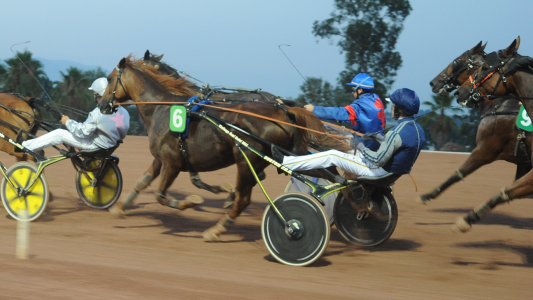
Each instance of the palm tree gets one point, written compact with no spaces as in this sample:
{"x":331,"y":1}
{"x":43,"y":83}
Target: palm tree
{"x":21,"y":73}
{"x":440,"y":125}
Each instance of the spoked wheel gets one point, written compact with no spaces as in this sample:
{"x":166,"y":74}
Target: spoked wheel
{"x":310,"y":226}
{"x":296,"y":185}
{"x":103,"y":192}
{"x":367,"y":229}
{"x":34,"y":200}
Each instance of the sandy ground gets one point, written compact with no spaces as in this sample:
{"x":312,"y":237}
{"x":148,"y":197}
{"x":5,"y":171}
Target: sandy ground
{"x":158,"y":252}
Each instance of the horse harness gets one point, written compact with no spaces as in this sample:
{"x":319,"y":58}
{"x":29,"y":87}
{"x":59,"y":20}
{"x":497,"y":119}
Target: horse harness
{"x":458,"y":67}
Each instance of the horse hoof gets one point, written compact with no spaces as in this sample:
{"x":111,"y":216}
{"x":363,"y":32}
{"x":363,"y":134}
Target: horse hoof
{"x":227,"y":187}
{"x":423,"y":201}
{"x":117,"y":210}
{"x":461,"y":226}
{"x":213,"y":234}
{"x":191,"y":201}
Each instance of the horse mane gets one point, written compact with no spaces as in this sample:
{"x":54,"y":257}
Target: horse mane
{"x":180,"y":86}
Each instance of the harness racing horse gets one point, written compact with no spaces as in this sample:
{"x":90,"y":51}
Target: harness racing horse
{"x":18,"y":112}
{"x":215,"y":95}
{"x":497,"y":137}
{"x":209,"y":148}
{"x":505,"y":75}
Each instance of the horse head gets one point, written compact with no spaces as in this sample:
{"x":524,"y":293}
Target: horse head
{"x":458,"y":70}
{"x":490,"y":79}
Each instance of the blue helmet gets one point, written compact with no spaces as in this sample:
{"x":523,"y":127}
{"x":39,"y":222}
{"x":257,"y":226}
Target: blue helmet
{"x":407,"y":100}
{"x":362,"y":80}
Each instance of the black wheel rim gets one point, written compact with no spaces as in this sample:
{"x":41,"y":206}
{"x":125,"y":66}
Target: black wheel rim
{"x":315,"y":236}
{"x":364,"y":228}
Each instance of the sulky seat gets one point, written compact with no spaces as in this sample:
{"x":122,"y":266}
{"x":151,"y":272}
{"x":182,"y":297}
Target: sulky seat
{"x":381,"y":181}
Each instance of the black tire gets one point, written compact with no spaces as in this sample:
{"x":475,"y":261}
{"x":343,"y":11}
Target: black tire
{"x":315,"y":235}
{"x":106,"y":191}
{"x":296,"y":185}
{"x":34,"y":202}
{"x":369,"y":230}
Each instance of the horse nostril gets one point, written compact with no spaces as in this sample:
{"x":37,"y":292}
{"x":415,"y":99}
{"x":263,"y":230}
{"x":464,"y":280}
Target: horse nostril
{"x":431,"y":84}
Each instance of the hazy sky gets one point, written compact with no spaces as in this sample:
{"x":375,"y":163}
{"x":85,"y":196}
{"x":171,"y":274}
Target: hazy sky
{"x":235,"y":42}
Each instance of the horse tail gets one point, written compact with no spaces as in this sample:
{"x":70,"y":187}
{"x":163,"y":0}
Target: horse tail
{"x":309,"y":120}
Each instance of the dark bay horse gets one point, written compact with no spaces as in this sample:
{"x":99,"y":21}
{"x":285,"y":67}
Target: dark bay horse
{"x":497,"y":136}
{"x":209,"y":148}
{"x":508,"y":75}
{"x":18,"y":111}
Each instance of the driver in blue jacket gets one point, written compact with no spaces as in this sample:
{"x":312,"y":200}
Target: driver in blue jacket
{"x":366,"y":113}
{"x":397,"y":153}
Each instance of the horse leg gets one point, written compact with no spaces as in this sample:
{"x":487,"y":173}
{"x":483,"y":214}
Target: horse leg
{"x":147,"y":178}
{"x":243,"y":192}
{"x":169,"y":174}
{"x":197,"y":181}
{"x":475,"y":161}
{"x":520,"y":188}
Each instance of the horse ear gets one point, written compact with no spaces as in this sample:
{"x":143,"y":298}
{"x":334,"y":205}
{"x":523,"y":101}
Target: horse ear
{"x":158,"y":58}
{"x":147,"y":55}
{"x":512,"y":49}
{"x":122,"y":63}
{"x":478,"y":48}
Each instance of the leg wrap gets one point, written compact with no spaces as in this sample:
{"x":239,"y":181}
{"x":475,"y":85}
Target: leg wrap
{"x":226,"y":222}
{"x":143,"y":183}
{"x":127,"y":202}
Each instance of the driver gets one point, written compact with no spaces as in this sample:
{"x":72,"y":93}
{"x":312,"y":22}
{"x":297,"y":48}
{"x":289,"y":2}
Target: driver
{"x":366,"y":113}
{"x":99,"y":131}
{"x":397,"y":153}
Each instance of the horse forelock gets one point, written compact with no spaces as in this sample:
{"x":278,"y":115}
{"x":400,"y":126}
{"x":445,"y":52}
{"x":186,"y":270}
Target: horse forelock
{"x":180,"y":86}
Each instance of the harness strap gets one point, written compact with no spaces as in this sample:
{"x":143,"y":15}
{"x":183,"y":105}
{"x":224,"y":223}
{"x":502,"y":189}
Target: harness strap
{"x":245,"y":113}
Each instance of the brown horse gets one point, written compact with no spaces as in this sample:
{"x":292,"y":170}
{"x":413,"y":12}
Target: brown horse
{"x":506,"y":74}
{"x":18,"y":112}
{"x":497,"y":136}
{"x":208,"y":148}
{"x":255,"y":95}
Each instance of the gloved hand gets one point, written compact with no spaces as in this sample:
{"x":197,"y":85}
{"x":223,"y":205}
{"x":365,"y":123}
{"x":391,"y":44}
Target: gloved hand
{"x":376,"y":136}
{"x":354,"y":142}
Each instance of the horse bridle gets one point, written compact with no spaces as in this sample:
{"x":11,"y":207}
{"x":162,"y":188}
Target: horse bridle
{"x":492,"y":65}
{"x":111,"y":104}
{"x":458,"y":67}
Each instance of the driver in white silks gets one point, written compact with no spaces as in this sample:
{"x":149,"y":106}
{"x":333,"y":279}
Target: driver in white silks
{"x":99,"y":131}
{"x":397,"y":153}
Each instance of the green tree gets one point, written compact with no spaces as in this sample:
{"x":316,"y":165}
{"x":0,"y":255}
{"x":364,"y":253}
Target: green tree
{"x":367,"y":32}
{"x":19,"y":77}
{"x":440,"y":126}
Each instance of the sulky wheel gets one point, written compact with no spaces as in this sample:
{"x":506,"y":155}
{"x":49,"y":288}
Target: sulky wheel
{"x":103,"y":192}
{"x":296,"y":185}
{"x":33,"y":199}
{"x":310,"y":225}
{"x":367,"y":229}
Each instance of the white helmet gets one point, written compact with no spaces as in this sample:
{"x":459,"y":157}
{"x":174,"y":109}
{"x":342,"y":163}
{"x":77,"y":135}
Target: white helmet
{"x":99,"y":86}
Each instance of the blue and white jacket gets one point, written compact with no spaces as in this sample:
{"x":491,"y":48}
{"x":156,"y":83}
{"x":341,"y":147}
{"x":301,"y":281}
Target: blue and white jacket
{"x":366,"y":114}
{"x":400,"y":148}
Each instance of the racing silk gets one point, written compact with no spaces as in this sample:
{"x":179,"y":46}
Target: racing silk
{"x":366,"y":114}
{"x":399,"y":151}
{"x":105,"y":130}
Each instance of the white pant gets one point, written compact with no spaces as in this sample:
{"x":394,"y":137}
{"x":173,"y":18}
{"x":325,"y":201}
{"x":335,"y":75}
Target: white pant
{"x":354,"y":164}
{"x":59,"y":136}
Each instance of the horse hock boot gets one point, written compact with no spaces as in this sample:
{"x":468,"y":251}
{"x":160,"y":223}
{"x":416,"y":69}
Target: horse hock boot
{"x":213,"y":233}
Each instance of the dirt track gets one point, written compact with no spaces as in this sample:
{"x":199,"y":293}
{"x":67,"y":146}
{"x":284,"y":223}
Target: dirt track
{"x":158,"y":252}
